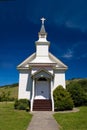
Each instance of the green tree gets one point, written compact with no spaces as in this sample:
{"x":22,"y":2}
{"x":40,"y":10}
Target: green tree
{"x":77,"y":93}
{"x":83,"y":83}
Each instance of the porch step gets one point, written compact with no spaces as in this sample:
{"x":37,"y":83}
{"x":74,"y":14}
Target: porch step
{"x":42,"y":105}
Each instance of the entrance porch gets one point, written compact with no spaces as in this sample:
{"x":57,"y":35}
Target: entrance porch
{"x":42,"y":97}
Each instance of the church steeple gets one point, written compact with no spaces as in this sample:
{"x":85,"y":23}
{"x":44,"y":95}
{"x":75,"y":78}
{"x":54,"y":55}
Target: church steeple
{"x":42,"y":45}
{"x":42,"y":33}
{"x":42,"y":30}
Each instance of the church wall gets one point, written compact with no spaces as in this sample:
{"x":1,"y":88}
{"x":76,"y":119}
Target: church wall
{"x":24,"y":85}
{"x":59,"y":78}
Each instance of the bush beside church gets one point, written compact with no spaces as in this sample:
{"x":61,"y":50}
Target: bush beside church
{"x":22,"y":104}
{"x":62,"y":99}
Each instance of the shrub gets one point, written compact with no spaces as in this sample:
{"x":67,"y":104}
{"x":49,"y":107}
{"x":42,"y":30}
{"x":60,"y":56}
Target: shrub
{"x":12,"y":99}
{"x":77,"y":93}
{"x":22,"y":104}
{"x":62,"y":99}
{"x":4,"y":96}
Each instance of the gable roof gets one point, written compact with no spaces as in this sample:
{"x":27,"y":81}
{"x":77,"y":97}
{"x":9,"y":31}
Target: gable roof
{"x":27,"y":61}
{"x":52,"y":58}
{"x":56,"y":60}
{"x":42,"y":70}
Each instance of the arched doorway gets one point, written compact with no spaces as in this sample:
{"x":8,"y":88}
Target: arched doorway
{"x":42,"y":88}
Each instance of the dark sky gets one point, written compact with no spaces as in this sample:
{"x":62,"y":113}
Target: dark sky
{"x":66,"y":25}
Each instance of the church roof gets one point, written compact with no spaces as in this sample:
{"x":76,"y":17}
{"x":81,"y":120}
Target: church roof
{"x":54,"y":62}
{"x":42,"y":30}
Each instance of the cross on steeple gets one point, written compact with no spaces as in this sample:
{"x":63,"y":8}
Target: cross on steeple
{"x":43,"y":19}
{"x":42,"y":33}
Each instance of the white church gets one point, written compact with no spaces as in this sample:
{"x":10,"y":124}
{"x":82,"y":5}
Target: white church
{"x":40,"y":74}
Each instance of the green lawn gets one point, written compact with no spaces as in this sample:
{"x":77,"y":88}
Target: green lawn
{"x":11,"y":119}
{"x":72,"y":121}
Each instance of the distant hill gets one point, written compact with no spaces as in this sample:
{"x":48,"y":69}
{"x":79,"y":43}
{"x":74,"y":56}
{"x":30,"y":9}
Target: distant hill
{"x":13,"y":89}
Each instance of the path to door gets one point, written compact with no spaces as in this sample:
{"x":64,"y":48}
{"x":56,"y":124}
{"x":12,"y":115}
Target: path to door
{"x":43,"y":121}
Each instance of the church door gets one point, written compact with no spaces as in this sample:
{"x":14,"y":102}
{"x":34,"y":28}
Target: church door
{"x":42,"y":89}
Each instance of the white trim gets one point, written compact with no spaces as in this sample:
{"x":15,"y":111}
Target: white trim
{"x":56,"y":60}
{"x":42,"y":70}
{"x":42,"y":42}
{"x":32,"y":99}
{"x":52,"y":95}
{"x":26,"y":61}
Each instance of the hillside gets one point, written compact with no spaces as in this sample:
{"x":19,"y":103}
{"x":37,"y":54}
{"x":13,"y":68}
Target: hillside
{"x":13,"y":89}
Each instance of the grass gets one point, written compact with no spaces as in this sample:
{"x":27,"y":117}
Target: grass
{"x":72,"y":121}
{"x":11,"y":119}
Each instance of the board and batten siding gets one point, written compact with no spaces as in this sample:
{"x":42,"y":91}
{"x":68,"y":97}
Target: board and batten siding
{"x":25,"y":84}
{"x":59,"y":78}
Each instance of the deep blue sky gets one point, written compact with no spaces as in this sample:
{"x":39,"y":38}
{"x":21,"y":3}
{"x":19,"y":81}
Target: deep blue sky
{"x":66,"y":25}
